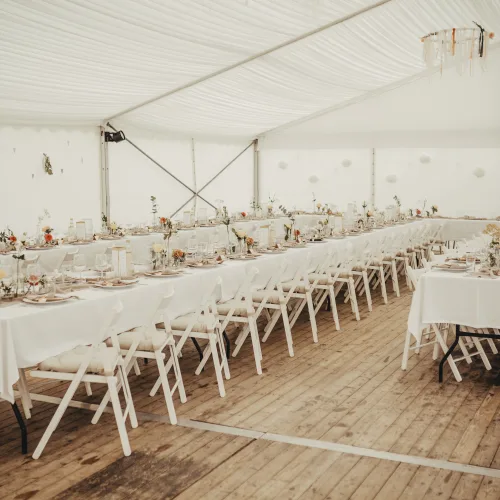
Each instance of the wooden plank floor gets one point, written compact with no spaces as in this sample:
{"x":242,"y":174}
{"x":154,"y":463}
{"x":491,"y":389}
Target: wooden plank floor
{"x":346,"y":389}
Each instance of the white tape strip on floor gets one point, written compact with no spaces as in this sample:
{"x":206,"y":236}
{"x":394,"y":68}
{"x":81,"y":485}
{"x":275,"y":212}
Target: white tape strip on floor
{"x":309,"y":443}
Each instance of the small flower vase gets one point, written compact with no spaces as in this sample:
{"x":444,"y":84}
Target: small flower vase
{"x":270,"y":211}
{"x":241,"y":244}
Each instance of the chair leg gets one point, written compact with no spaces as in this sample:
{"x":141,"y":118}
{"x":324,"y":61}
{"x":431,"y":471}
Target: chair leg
{"x":270,"y":326}
{"x":394,"y":275}
{"x":312,"y":317}
{"x":166,"y":388}
{"x":256,"y":345}
{"x":22,"y":426}
{"x":88,"y":388}
{"x":482,"y":354}
{"x":367,"y":291}
{"x":354,"y":300}
{"x":122,"y":372}
{"x":334,"y":308}
{"x":120,"y":420}
{"x":57,"y":416}
{"x":137,"y":370}
{"x":382,"y":284}
{"x":288,"y":331}
{"x":223,"y":354}
{"x":178,"y":374}
{"x":218,"y":369}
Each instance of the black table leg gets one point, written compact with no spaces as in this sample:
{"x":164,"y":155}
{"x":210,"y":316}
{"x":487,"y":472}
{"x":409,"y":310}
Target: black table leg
{"x":228,"y":344}
{"x":22,"y":425}
{"x":198,"y":348}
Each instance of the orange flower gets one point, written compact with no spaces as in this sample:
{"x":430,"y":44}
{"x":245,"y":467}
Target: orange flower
{"x":48,"y":237}
{"x":418,"y":211}
{"x":296,"y":232}
{"x":243,"y":214}
{"x":33,"y":280}
{"x":12,"y":239}
{"x":249,"y":241}
{"x":163,"y":220}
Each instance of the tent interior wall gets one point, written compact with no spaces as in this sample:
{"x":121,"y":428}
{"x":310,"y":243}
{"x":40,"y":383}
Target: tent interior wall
{"x":314,"y":85}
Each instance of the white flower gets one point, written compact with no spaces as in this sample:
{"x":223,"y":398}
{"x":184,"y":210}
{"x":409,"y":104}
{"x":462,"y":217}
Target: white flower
{"x":157,"y":248}
{"x":113,"y":226}
{"x":240,"y":234}
{"x":288,"y":226}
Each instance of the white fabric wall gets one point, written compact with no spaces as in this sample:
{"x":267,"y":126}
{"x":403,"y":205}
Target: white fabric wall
{"x":134,"y":178}
{"x":25,"y":188}
{"x":446,"y":181}
{"x":336,"y":185}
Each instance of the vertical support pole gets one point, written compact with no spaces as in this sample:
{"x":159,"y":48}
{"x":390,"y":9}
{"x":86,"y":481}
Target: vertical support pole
{"x":256,"y":171}
{"x":373,"y":179}
{"x":195,"y":187}
{"x":104,"y":174}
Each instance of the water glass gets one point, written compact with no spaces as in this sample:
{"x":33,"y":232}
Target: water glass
{"x":101,"y":263}
{"x":470,"y":261}
{"x":79,"y":263}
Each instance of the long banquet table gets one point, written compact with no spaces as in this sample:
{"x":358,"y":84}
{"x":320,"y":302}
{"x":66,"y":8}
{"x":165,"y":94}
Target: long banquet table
{"x":31,"y":333}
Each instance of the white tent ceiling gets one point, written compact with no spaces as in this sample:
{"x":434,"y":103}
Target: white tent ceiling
{"x":84,"y":61}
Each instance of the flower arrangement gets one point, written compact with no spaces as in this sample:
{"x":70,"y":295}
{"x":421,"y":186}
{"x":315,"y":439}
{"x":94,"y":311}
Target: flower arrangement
{"x":250,"y":243}
{"x":178,"y":255}
{"x":241,"y":235}
{"x":226,"y":220}
{"x":434,"y":209}
{"x":296,"y":235}
{"x":270,"y":205}
{"x":288,"y":231}
{"x":418,"y":212}
{"x":18,"y":257}
{"x":243,"y":214}
{"x":255,"y":205}
{"x":47,"y":235}
{"x":369,"y":213}
{"x":158,"y":253}
{"x":47,"y":166}
{"x":33,"y":281}
{"x":8,"y":238}
{"x":493,"y":230}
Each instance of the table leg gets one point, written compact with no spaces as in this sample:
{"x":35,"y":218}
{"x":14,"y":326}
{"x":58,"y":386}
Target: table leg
{"x":22,"y":425}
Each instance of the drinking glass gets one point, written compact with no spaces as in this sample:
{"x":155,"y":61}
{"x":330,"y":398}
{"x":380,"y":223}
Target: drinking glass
{"x":79,"y":263}
{"x":470,"y":261}
{"x":101,"y":263}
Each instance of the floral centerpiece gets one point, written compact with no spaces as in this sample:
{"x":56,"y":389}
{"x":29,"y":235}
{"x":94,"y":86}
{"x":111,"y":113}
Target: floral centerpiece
{"x":255,"y":206}
{"x":47,"y":235}
{"x":296,"y":235}
{"x":226,"y":220}
{"x":158,"y":254}
{"x":34,"y":281}
{"x":8,"y":239}
{"x":243,"y":214}
{"x":168,"y":229}
{"x":250,"y":243}
{"x":493,"y":253}
{"x":288,"y":226}
{"x":241,"y":236}
{"x":179,"y":256}
{"x":270,"y":205}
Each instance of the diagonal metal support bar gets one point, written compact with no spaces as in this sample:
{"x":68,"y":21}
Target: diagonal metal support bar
{"x":226,"y":167}
{"x":303,"y":36}
{"x":163,"y":168}
{"x":182,"y":206}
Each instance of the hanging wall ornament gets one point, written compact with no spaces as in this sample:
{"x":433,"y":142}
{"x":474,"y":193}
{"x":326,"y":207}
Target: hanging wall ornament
{"x":391,"y":179}
{"x":425,"y":158}
{"x":346,"y":163}
{"x":47,"y":165}
{"x":283,"y":165}
{"x":313,"y":179}
{"x":479,"y":172}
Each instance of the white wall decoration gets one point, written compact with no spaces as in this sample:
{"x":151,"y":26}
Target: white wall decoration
{"x":283,"y":165}
{"x":392,"y":178}
{"x":425,"y":158}
{"x":346,"y":163}
{"x":479,"y":172}
{"x":313,"y":179}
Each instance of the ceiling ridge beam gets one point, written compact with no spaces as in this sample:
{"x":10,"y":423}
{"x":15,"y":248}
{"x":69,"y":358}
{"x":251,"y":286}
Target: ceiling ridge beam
{"x":250,"y":59}
{"x":363,"y":97}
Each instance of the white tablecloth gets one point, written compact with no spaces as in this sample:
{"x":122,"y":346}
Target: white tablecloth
{"x":458,"y":229}
{"x":444,"y":297}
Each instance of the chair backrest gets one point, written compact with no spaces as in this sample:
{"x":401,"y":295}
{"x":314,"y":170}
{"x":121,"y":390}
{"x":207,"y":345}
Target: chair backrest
{"x":109,"y":327}
{"x":244,"y":292}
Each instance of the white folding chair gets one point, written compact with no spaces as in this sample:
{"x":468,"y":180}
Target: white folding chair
{"x":273,"y":299}
{"x":201,"y":324}
{"x":241,"y":310}
{"x":94,"y":363}
{"x":148,"y":342}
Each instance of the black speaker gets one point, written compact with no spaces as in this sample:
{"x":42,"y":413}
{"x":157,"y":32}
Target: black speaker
{"x":114,"y":136}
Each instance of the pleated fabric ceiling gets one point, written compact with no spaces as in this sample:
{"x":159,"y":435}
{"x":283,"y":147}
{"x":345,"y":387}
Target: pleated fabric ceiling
{"x":86,"y":61}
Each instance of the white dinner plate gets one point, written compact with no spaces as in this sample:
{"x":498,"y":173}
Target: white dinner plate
{"x":115,"y":286}
{"x":43,"y":301}
{"x":162,"y":274}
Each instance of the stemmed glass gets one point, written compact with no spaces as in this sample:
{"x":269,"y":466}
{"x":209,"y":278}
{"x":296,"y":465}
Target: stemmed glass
{"x":101,"y":263}
{"x":79,"y":263}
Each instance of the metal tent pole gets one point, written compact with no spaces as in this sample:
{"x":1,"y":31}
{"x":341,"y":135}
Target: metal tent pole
{"x":194,"y":177}
{"x":373,"y":179}
{"x":256,"y":171}
{"x":104,"y":174}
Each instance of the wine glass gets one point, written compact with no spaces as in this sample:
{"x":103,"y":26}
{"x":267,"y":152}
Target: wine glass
{"x":101,"y":263}
{"x":79,"y":263}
